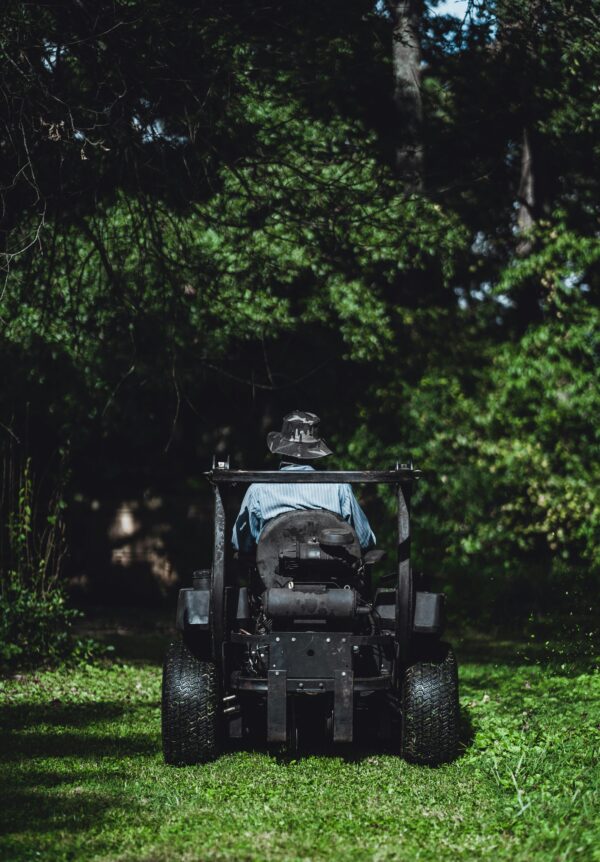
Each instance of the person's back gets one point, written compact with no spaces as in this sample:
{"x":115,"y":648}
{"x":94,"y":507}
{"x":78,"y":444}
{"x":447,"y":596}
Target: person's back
{"x":298,"y":440}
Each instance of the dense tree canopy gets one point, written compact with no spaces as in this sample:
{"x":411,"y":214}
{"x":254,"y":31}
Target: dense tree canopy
{"x":214,"y":212}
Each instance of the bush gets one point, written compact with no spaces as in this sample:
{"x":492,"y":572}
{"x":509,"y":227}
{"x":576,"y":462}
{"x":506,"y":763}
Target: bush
{"x":35,"y":620}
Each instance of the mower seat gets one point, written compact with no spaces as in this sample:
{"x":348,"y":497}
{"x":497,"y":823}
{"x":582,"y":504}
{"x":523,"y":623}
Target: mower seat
{"x":313,"y":545}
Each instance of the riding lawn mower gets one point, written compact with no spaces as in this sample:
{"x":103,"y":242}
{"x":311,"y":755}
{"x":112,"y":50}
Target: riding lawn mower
{"x":297,"y":635}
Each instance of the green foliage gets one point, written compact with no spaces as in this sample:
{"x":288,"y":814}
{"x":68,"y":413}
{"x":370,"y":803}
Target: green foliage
{"x":509,"y":501}
{"x":83,"y":777}
{"x":34,"y":629}
{"x":312,"y":235}
{"x":234,"y":239}
{"x":560,"y":261}
{"x":538,"y":438}
{"x":35,"y":620}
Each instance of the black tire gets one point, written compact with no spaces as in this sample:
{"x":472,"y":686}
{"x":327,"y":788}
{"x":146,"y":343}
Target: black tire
{"x":190,"y":706}
{"x":430,"y":709}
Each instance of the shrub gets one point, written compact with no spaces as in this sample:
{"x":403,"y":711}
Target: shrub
{"x":35,"y":620}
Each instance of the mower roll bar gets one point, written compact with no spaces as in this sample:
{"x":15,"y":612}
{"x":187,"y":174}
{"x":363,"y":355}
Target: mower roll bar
{"x":400,"y":475}
{"x":403,"y":477}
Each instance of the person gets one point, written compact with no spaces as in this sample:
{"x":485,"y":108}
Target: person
{"x":299,"y":444}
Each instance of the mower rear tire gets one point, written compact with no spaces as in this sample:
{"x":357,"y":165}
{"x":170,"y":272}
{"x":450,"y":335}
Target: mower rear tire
{"x":430,"y":709}
{"x":190,"y":704}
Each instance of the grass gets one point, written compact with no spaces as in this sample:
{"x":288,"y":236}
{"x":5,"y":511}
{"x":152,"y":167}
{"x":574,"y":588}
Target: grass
{"x":82,"y":777}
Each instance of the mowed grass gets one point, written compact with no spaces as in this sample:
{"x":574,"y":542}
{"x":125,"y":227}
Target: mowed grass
{"x":82,"y":778}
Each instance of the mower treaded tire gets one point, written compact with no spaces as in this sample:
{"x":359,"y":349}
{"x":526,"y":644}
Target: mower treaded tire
{"x":430,"y":709}
{"x":190,"y":701}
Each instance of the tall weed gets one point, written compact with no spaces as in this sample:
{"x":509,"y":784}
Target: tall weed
{"x":35,"y":620}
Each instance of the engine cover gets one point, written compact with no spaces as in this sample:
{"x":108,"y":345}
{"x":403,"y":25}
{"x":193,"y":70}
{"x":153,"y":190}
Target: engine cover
{"x":289,"y":548}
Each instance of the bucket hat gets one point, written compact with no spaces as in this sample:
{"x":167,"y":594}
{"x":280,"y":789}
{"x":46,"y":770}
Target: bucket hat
{"x":299,"y":437}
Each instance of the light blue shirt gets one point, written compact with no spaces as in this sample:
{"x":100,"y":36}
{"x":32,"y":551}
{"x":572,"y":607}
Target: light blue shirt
{"x":264,"y":501}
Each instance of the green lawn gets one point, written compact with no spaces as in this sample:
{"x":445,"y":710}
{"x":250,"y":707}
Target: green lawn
{"x":83,"y":778}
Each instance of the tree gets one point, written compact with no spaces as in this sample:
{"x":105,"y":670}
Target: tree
{"x":228,"y":210}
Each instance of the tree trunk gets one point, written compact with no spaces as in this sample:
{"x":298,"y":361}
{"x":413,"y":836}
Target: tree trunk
{"x":526,"y":197}
{"x":406,"y":55}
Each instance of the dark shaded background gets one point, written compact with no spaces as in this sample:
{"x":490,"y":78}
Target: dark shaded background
{"x":214,"y":213}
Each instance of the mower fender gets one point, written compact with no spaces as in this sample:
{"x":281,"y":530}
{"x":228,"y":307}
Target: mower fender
{"x":193,"y":609}
{"x":429,"y":613}
{"x":428,"y":616}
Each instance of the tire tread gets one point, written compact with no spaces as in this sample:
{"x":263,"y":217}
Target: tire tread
{"x":430,"y":709}
{"x":190,"y":702}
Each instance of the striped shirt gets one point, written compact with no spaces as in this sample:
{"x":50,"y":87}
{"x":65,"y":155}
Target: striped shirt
{"x":264,"y":501}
